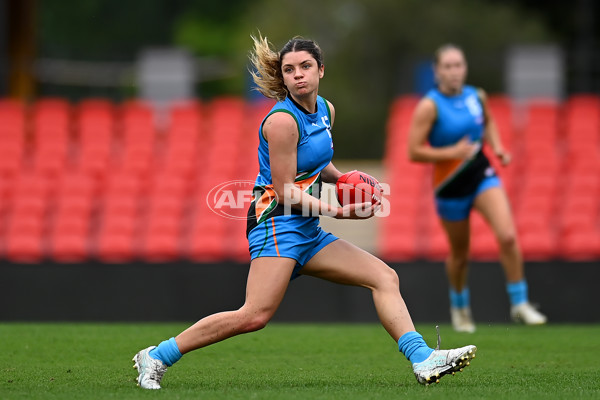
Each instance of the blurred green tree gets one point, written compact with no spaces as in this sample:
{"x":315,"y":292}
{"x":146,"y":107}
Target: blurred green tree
{"x":104,"y":30}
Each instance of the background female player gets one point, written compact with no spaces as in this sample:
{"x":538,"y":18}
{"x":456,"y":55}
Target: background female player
{"x":454,"y":119}
{"x":295,"y":154}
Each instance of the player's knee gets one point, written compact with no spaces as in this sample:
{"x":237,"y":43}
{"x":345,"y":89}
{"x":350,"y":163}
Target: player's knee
{"x":388,"y":278}
{"x":392,"y":277}
{"x":507,"y":240}
{"x":459,"y":258}
{"x":256,"y":321}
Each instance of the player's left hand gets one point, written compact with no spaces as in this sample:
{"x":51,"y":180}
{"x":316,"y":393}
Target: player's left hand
{"x":358,"y":210}
{"x":504,"y":157}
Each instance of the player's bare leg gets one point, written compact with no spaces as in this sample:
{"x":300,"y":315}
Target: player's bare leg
{"x":495,"y":209}
{"x":268,"y":280}
{"x":457,"y":269}
{"x":345,"y":263}
{"x":494,"y":206}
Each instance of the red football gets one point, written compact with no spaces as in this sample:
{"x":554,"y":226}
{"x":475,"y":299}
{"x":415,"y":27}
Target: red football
{"x":358,"y":187}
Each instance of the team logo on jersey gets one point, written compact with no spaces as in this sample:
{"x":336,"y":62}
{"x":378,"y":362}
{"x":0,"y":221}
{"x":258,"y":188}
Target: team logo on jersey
{"x":325,"y":121}
{"x":474,"y":107}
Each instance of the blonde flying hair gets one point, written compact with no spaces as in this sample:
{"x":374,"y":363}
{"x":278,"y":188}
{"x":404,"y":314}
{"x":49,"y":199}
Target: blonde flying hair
{"x":267,"y":75}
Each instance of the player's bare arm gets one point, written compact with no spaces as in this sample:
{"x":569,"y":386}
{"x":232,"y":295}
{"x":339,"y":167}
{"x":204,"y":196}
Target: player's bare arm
{"x":491,"y":133}
{"x":418,"y":148}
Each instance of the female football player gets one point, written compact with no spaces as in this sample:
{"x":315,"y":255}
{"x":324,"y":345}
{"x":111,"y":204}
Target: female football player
{"x":448,"y":129}
{"x":285,"y":240}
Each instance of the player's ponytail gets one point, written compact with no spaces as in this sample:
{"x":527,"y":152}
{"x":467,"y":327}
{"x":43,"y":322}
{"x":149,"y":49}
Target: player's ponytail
{"x":267,"y":74}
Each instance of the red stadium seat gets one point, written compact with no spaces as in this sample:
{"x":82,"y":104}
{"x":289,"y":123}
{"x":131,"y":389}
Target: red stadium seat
{"x":534,"y":223}
{"x":169,"y":184}
{"x":12,"y":135}
{"x":538,"y":246}
{"x":72,"y":218}
{"x":573,"y":223}
{"x":161,"y":247}
{"x":185,"y":122}
{"x":166,"y":205}
{"x":119,"y":223}
{"x":206,"y":249}
{"x":123,"y":184}
{"x":208,"y":237}
{"x":11,"y":158}
{"x":25,"y":224}
{"x":75,"y":184}
{"x":24,"y":247}
{"x":180,"y":159}
{"x":535,"y":205}
{"x":397,"y":245}
{"x":69,"y":248}
{"x":580,"y":245}
{"x":162,"y":237}
{"x":238,"y":250}
{"x":435,"y":246}
{"x":68,"y":205}
{"x":116,"y":248}
{"x":137,"y":160}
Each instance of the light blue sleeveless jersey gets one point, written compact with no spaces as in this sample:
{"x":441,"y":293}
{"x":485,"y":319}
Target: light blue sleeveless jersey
{"x":315,"y":146}
{"x":457,"y":116}
{"x":314,"y":152}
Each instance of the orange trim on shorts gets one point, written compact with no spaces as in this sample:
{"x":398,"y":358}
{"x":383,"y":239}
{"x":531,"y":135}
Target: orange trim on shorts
{"x":275,"y":237}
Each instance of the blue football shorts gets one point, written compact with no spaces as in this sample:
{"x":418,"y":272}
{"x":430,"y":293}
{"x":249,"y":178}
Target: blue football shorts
{"x":291,"y":236}
{"x":459,"y":208}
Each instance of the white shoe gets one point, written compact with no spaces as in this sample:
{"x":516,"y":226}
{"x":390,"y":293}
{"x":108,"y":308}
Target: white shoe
{"x":150,"y":369}
{"x":527,"y":314}
{"x":443,"y":362}
{"x":462,"y":321}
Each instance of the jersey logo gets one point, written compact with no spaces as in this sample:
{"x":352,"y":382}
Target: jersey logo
{"x":474,"y":108}
{"x":325,"y":121}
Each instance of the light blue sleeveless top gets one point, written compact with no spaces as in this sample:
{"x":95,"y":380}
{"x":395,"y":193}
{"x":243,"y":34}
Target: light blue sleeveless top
{"x":314,"y":152}
{"x":315,"y":145}
{"x":457,"y":116}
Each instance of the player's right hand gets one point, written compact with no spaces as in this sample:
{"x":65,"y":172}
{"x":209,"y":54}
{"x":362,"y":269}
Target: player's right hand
{"x":465,"y":149}
{"x":358,"y":210}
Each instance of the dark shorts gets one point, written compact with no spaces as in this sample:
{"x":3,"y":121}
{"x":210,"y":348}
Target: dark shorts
{"x":459,"y":208}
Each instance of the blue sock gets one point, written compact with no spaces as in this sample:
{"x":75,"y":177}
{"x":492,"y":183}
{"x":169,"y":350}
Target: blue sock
{"x":460,"y":299}
{"x":414,"y":348}
{"x":167,"y":352}
{"x":517,"y":292}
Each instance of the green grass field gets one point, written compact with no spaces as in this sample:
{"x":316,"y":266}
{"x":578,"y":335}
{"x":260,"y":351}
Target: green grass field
{"x":297,"y":361}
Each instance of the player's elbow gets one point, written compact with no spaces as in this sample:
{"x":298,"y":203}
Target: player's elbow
{"x":414,"y":154}
{"x":287,"y":193}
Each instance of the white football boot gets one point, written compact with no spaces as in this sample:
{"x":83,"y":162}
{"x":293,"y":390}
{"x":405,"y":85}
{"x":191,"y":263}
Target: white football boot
{"x":443,"y":362}
{"x":462,"y":320}
{"x":527,"y":314}
{"x":150,"y":369}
